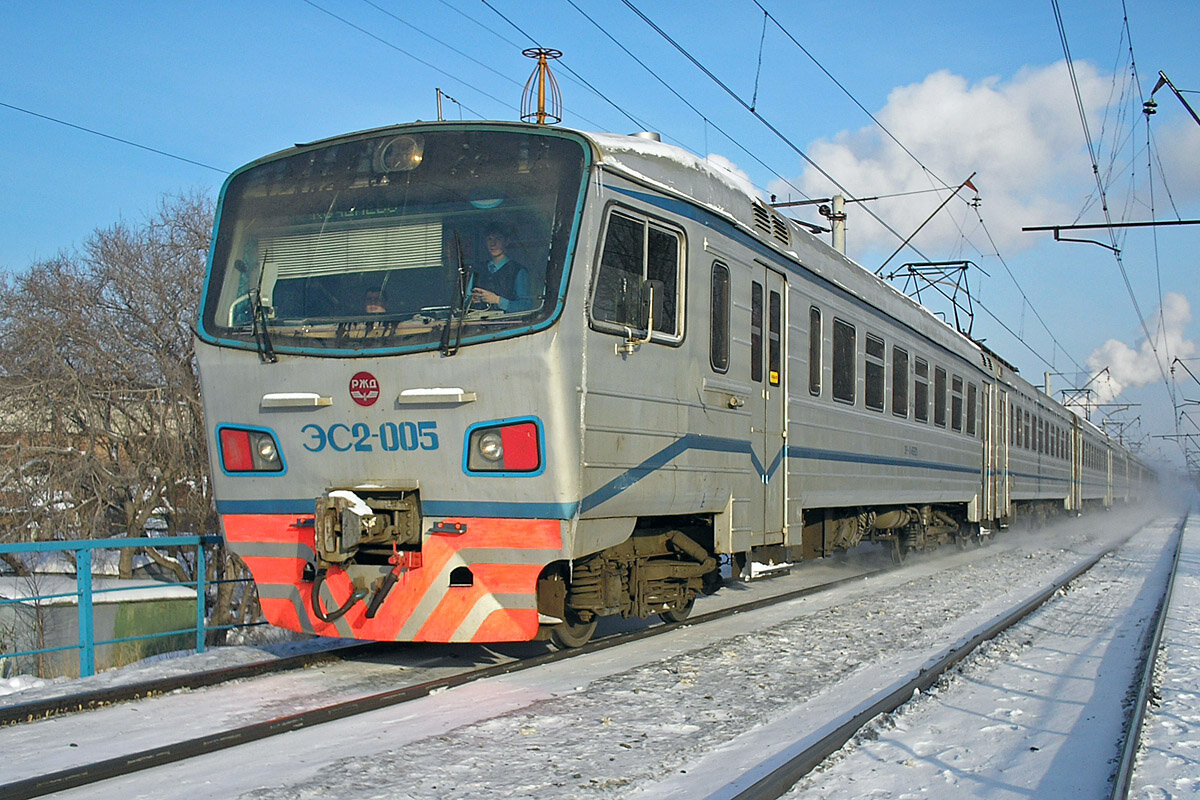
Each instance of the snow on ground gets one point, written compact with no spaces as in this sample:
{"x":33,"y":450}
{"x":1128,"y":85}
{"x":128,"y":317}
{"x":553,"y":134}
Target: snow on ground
{"x":1169,"y":761}
{"x":621,"y":722}
{"x":679,"y":714}
{"x":1038,"y":712}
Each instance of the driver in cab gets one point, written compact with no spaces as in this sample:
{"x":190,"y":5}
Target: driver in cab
{"x":502,"y":283}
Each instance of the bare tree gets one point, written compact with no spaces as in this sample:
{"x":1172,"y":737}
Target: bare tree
{"x":102,"y":428}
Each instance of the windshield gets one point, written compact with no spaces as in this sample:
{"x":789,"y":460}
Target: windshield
{"x":412,"y":239}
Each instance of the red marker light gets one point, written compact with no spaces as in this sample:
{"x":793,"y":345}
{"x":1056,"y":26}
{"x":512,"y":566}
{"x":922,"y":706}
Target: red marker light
{"x":236,"y":455}
{"x":520,"y":447}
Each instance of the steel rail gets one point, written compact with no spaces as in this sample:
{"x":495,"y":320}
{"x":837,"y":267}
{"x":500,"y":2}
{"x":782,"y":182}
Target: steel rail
{"x":778,"y":774}
{"x":34,"y":710}
{"x":1151,"y":644}
{"x":83,"y":775}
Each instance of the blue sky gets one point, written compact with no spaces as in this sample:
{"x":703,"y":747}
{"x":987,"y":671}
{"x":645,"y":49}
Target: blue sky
{"x":965,"y":87}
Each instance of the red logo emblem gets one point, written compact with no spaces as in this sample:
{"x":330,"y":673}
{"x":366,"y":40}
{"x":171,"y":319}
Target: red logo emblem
{"x":364,"y":389}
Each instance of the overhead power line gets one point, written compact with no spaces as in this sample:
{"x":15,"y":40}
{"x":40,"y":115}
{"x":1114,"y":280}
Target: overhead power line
{"x":110,"y":137}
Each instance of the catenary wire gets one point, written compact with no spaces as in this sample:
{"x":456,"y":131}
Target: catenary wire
{"x":95,"y":132}
{"x":418,"y":59}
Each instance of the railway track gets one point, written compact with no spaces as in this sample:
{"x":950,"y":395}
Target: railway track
{"x":775,"y":775}
{"x":44,"y":708}
{"x":90,"y":773}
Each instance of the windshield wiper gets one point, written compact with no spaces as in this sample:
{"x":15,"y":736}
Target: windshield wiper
{"x":460,"y":301}
{"x":258,"y":317}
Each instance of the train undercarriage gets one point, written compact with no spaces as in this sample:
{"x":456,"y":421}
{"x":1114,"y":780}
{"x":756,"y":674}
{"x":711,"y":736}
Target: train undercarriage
{"x":660,"y":570}
{"x":663,"y":567}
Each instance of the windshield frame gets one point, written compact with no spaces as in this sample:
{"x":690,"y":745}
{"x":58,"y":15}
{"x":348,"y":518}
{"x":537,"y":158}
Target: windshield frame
{"x":254,"y":339}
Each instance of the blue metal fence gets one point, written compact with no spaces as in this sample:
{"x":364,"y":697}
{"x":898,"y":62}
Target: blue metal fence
{"x":85,"y":591}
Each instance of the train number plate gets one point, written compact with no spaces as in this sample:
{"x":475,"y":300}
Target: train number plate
{"x":362,"y":438}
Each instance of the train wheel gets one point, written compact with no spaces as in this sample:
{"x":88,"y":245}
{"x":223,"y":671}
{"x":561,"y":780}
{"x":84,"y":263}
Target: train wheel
{"x":678,"y":614}
{"x":572,"y":632}
{"x":899,"y":551}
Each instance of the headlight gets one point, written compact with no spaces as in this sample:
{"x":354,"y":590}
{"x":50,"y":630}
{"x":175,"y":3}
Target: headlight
{"x":491,"y":446}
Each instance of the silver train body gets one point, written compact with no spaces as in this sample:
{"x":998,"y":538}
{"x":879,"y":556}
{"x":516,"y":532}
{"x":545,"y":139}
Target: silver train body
{"x":668,"y":372}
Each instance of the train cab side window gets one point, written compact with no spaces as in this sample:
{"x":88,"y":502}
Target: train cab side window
{"x":899,"y":382}
{"x":939,"y":396}
{"x":875,"y":351}
{"x":956,"y":403}
{"x":845,"y":353}
{"x":921,"y":390}
{"x":718,"y":346}
{"x":814,"y":351}
{"x":640,"y":259}
{"x":972,"y":408}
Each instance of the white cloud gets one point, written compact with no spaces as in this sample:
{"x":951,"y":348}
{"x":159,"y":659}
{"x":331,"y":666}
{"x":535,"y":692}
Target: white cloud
{"x":1138,"y":366}
{"x":1022,"y":136}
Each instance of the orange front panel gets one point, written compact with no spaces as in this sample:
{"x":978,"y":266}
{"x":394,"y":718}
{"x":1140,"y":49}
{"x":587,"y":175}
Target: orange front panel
{"x":504,"y":557}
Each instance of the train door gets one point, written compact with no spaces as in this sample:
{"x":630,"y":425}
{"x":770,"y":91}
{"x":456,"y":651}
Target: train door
{"x":768,"y":360}
{"x":988,"y":510}
{"x":995,"y":452}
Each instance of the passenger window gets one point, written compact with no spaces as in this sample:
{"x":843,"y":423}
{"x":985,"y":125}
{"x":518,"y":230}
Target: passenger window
{"x":939,"y":396}
{"x":774,"y":339}
{"x":875,"y":350}
{"x":718,"y":346}
{"x":972,"y":408}
{"x":640,"y":260}
{"x":814,"y":351}
{"x":844,"y":352}
{"x":756,"y":331}
{"x":899,"y":382}
{"x":956,"y":403}
{"x":921,"y":390}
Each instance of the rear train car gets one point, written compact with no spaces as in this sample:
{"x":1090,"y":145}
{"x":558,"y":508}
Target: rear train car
{"x":494,"y":381}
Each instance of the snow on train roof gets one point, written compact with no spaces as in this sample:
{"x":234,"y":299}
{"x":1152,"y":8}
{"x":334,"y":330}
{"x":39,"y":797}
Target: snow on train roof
{"x":717,"y":184}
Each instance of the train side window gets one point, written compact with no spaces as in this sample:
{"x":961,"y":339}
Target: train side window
{"x":774,"y":338}
{"x":939,"y":396}
{"x":972,"y":408}
{"x":639,"y":255}
{"x":899,"y":382}
{"x":1014,"y":415}
{"x":1027,"y":437}
{"x":844,"y":353}
{"x":921,"y":390}
{"x":756,"y":331}
{"x":875,"y":351}
{"x":718,"y":346}
{"x":956,"y":403}
{"x":814,"y":351}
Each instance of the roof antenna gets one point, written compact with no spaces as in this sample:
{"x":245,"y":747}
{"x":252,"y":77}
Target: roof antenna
{"x":546,"y":92}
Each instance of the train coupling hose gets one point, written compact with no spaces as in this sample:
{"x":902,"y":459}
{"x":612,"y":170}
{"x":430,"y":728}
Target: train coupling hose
{"x":338,"y":613}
